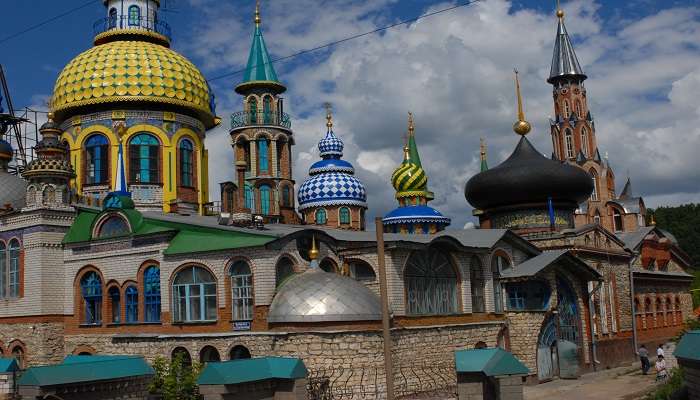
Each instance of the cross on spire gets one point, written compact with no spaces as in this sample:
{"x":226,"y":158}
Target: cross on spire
{"x":258,"y":20}
{"x":329,"y":115}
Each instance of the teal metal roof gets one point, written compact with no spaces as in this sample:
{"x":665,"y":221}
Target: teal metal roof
{"x":491,"y":362}
{"x":79,"y":369}
{"x":259,"y":67}
{"x":689,"y":346}
{"x":8,"y":365}
{"x":252,"y":370}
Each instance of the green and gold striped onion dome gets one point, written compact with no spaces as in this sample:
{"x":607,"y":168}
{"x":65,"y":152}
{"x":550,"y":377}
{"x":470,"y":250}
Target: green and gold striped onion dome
{"x":409,"y":177}
{"x":123,"y":72}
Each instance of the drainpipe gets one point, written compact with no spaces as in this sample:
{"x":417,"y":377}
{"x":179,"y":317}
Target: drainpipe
{"x":590,"y":324}
{"x":635,"y":255}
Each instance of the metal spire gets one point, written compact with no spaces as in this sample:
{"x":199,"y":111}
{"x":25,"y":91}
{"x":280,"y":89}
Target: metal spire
{"x":484,"y":164}
{"x":521,"y":127}
{"x":564,"y":60}
{"x":258,"y":20}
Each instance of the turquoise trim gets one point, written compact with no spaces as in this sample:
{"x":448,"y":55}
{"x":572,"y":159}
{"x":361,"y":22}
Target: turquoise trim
{"x":252,"y":370}
{"x":259,"y":67}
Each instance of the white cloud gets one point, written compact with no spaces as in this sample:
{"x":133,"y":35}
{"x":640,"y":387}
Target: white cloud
{"x":454,"y":71}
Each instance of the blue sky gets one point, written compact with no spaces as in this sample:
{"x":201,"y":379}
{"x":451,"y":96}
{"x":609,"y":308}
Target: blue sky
{"x":451,"y":70}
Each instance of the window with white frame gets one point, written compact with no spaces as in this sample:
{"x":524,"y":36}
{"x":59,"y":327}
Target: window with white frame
{"x":241,"y":291}
{"x":194,"y":295}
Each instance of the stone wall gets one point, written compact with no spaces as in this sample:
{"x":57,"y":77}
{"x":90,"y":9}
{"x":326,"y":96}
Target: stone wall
{"x":524,"y":328}
{"x":42,"y":342}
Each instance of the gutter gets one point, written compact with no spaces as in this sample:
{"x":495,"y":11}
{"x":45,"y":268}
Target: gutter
{"x":634,"y":311}
{"x":591,"y":306}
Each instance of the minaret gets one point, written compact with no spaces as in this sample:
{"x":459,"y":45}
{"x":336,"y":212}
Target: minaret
{"x":411,"y":184}
{"x":50,"y":173}
{"x":261,"y":137}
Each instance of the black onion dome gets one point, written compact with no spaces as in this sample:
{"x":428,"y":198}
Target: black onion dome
{"x":528,"y":177}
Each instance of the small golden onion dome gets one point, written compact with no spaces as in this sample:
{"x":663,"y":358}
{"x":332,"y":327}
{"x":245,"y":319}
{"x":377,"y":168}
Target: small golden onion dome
{"x":560,"y":13}
{"x":124,"y":72}
{"x":522,"y":127}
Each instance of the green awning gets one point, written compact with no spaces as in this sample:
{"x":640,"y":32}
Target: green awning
{"x":252,"y":370}
{"x":491,"y":362}
{"x":8,"y":365}
{"x":81,"y":369}
{"x":689,"y":346}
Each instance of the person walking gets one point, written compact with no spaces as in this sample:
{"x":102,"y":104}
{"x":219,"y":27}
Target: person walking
{"x":661,"y":372}
{"x":660,"y":350}
{"x":644,"y":358}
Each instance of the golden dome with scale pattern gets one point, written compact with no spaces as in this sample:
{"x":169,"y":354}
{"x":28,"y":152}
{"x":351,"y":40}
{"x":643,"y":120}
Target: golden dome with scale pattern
{"x":132,"y":71}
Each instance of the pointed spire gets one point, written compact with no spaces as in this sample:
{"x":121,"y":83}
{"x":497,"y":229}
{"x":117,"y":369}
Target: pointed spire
{"x":313,"y":253}
{"x":120,"y":187}
{"x":412,"y":146}
{"x":564,"y":60}
{"x":627,"y":190}
{"x":521,"y":127}
{"x":484,"y":164}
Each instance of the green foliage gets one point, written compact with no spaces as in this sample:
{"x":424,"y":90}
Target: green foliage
{"x":672,"y":385}
{"x":176,"y":379}
{"x":684,"y":223}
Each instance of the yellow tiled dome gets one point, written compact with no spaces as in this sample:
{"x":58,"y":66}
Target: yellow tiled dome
{"x":129,"y":71}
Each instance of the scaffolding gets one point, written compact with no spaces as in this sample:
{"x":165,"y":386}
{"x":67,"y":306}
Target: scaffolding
{"x":18,"y":127}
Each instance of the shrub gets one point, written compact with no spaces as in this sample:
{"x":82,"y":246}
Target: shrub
{"x":672,"y":386}
{"x":175,"y":379}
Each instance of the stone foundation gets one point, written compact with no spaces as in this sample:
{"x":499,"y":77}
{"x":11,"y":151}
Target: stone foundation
{"x":42,"y":343}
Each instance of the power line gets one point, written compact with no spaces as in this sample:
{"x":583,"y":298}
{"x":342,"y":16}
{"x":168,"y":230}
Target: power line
{"x":42,"y":23}
{"x":349,"y":38}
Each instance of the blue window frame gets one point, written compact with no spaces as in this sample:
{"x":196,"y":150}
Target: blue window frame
{"x":91,"y":287}
{"x":265,"y":199}
{"x":263,"y":159}
{"x":253,"y":111}
{"x":134,"y":15}
{"x":151,"y":293}
{"x":286,"y":197}
{"x":194,"y":296}
{"x":344,"y":215}
{"x":132,"y":304}
{"x":186,"y":163}
{"x":144,"y":159}
{"x":115,"y":298}
{"x":96,"y":160}
{"x":516,"y":297}
{"x":249,"y":198}
{"x":321,"y":216}
{"x":13,"y":284}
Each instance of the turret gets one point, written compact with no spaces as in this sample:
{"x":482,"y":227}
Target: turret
{"x":132,"y":18}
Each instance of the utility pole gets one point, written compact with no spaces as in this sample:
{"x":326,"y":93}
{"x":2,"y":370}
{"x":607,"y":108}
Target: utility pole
{"x":388,"y":363}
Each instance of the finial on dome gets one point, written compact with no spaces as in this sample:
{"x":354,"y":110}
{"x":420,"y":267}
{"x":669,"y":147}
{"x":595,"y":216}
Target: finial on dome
{"x":653,"y":221}
{"x":50,"y":116}
{"x":258,"y":20}
{"x":313,"y":253}
{"x":560,"y":12}
{"x":521,"y":127}
{"x":484,"y":164}
{"x":329,"y":115}
{"x":411,"y":127}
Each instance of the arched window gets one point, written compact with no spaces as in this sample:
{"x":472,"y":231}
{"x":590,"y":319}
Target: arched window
{"x":242,"y":291}
{"x":151,"y":294}
{"x":209,"y":354}
{"x":596,"y":218}
{"x":96,"y":160}
{"x":568,"y":138}
{"x":567,"y":109}
{"x":144,"y":159}
{"x":112,"y":18}
{"x":431,"y":283}
{"x":91,"y":287}
{"x":115,"y":302}
{"x":183,"y":355}
{"x":113,"y":226}
{"x":186,"y":163}
{"x":263,"y":157}
{"x":3,"y":269}
{"x":132,"y":304}
{"x":18,"y":354}
{"x":639,"y":313}
{"x":283,"y":270}
{"x":321,"y":217}
{"x":267,"y":110}
{"x":49,"y":195}
{"x":194,"y":295}
{"x":476,"y":278}
{"x":499,"y":265}
{"x":584,"y":141}
{"x":328,"y":265}
{"x":265,"y":199}
{"x":344,"y":215}
{"x":361,"y":271}
{"x":134,"y":15}
{"x":239,"y":353}
{"x":594,"y":177}
{"x":286,"y":196}
{"x":579,"y":111}
{"x":617,"y":220}
{"x":249,"y":198}
{"x":229,"y":200}
{"x":480,"y":345}
{"x":253,"y":110}
{"x":14,"y":270}
{"x":245,"y":147}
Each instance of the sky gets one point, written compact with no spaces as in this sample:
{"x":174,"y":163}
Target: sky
{"x":452,"y":70}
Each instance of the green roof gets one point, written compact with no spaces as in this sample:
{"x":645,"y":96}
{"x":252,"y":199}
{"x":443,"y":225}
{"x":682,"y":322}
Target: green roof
{"x":259,"y":66}
{"x":79,"y":370}
{"x":71,"y":359}
{"x":8,"y":365}
{"x":689,"y":346}
{"x":187,"y":238}
{"x":252,"y":370}
{"x":491,"y":362}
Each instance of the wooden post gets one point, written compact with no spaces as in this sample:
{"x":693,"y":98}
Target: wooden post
{"x":388,"y":364}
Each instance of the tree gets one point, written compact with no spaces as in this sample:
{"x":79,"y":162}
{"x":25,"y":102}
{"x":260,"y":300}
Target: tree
{"x":175,"y":379}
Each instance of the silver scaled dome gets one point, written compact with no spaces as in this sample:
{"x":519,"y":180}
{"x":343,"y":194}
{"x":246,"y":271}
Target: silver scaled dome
{"x":319,"y":296}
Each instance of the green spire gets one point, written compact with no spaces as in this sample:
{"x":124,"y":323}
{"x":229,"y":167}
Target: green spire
{"x":259,"y":69}
{"x":484,"y":164}
{"x":412,"y":147}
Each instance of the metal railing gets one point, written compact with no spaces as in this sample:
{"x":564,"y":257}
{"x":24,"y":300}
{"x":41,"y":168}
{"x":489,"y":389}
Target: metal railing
{"x":247,"y":118}
{"x":124,"y":22}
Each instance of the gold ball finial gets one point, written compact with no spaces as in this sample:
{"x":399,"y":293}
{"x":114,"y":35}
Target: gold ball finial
{"x":560,"y":13}
{"x":313,"y":253}
{"x":258,"y":20}
{"x":50,"y":116}
{"x":522,"y":128}
{"x":329,"y":115}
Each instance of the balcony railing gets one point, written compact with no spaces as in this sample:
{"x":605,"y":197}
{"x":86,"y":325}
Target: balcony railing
{"x":124,"y":22}
{"x":247,"y":118}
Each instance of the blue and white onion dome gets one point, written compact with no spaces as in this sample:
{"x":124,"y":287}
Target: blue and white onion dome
{"x":331,"y":181}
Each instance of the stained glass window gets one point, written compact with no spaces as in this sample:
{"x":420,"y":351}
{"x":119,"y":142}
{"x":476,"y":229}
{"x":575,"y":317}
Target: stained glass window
{"x":112,"y":227}
{"x":151,"y":293}
{"x":91,"y":287}
{"x":242,"y":291}
{"x":194,"y":296}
